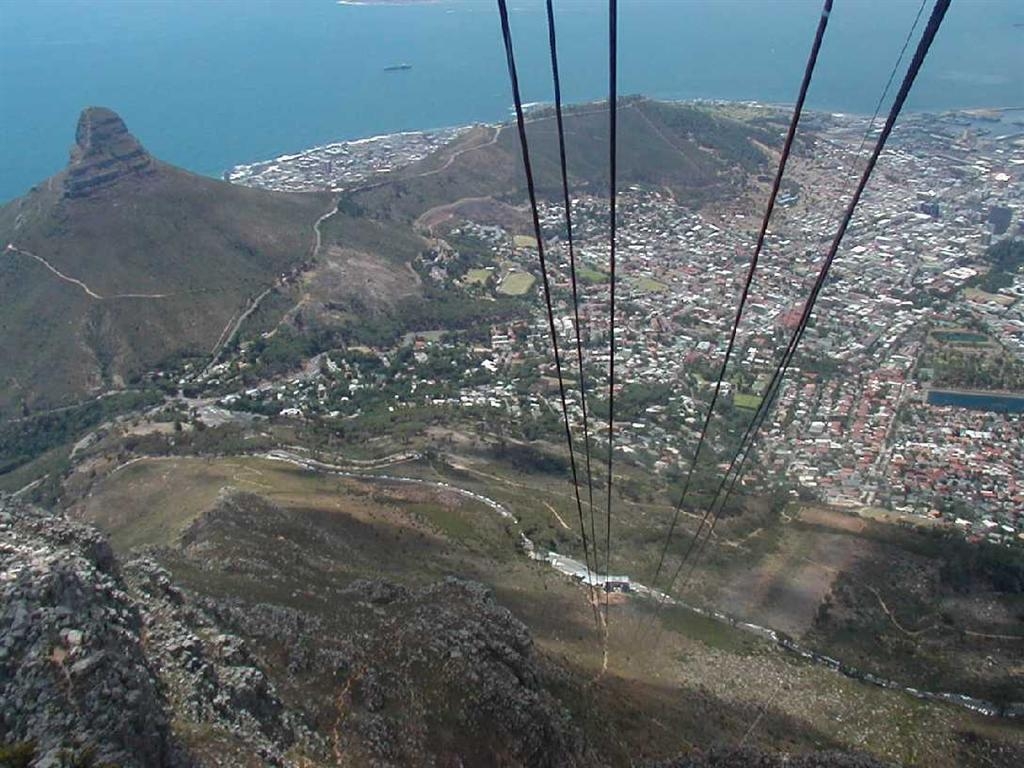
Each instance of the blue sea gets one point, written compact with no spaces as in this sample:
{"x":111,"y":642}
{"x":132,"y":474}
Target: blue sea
{"x":206,"y":84}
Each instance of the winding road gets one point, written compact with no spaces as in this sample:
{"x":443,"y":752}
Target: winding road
{"x":234,"y":326}
{"x":570,"y":567}
{"x":573,"y":568}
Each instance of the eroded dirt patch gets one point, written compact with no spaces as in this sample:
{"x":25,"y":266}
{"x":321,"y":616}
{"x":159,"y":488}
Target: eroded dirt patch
{"x":786,"y":587}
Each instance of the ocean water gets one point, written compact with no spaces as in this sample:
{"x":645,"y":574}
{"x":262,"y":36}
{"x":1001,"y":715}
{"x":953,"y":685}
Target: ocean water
{"x":206,"y":84}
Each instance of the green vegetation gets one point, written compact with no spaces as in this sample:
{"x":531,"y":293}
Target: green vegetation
{"x":23,"y":753}
{"x":516,"y":284}
{"x":589,"y":275}
{"x":528,"y":458}
{"x":730,"y":137}
{"x":467,"y":257}
{"x":1006,"y":257}
{"x":960,"y":369}
{"x":751,"y":402}
{"x":153,"y":502}
{"x":349,"y":530}
{"x":909,"y":606}
{"x":51,"y":465}
{"x":660,"y":144}
{"x":469,"y":244}
{"x":649,"y":285}
{"x":1000,"y":567}
{"x":226,"y":439}
{"x":632,"y":401}
{"x":478,"y":276}
{"x":708,"y":631}
{"x":25,"y":439}
{"x":439,"y":307}
{"x":82,"y":758}
{"x":966,"y":567}
{"x":287,"y":349}
{"x":17,"y":755}
{"x":207,"y":248}
{"x":396,"y":243}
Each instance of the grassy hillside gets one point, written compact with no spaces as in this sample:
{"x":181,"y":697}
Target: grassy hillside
{"x":363,"y":289}
{"x":699,"y":154}
{"x":163,"y":261}
{"x":122,"y":262}
{"x":260,"y":539}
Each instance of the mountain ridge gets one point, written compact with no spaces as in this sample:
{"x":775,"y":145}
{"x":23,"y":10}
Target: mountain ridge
{"x":104,"y":153}
{"x":121,"y":261}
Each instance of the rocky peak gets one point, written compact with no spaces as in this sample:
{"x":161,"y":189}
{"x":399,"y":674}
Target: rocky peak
{"x":104,"y":153}
{"x":75,"y":684}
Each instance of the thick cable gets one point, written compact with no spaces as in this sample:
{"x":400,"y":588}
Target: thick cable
{"x":928,"y":36}
{"x":531,"y":189}
{"x":553,"y":45}
{"x":892,"y":76}
{"x":878,"y":107}
{"x":613,"y":45}
{"x":744,"y":449}
{"x":762,"y":233}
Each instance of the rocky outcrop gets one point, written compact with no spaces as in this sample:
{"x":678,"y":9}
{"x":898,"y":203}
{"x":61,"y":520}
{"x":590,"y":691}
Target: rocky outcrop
{"x":97,"y":659}
{"x":431,"y":676}
{"x":74,"y":680}
{"x":104,"y":153}
{"x":459,"y":669}
{"x":210,"y":676}
{"x":386,"y":674}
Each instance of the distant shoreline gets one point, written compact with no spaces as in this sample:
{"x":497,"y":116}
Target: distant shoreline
{"x":346,"y":142}
{"x":276,"y":91}
{"x":975,"y":112}
{"x":536,"y":105}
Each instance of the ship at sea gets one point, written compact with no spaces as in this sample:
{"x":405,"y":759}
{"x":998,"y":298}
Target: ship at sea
{"x":398,"y":68}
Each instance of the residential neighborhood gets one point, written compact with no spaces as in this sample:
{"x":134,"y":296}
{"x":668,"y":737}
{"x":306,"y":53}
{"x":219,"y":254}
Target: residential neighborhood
{"x":852,"y":424}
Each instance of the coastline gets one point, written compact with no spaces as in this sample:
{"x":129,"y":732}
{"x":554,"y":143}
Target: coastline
{"x":339,"y":164}
{"x":984,"y":114}
{"x":352,"y":142}
{"x":276,"y":81}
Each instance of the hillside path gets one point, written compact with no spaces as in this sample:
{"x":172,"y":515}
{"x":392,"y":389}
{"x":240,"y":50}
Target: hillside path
{"x":12,"y":249}
{"x":235,"y":325}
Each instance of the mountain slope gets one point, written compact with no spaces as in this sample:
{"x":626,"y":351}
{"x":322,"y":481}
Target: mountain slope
{"x":700,"y":154}
{"x":121,"y":261}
